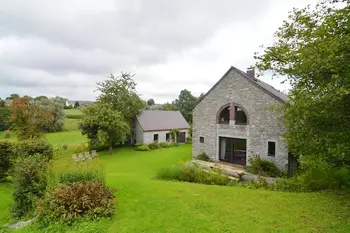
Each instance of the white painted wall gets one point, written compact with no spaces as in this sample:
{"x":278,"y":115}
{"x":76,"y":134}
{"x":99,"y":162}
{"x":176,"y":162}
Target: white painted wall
{"x":139,"y":132}
{"x":148,"y":136}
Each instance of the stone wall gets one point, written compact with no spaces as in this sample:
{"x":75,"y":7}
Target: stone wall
{"x":263,"y":125}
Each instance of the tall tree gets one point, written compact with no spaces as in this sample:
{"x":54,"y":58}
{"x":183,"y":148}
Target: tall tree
{"x":2,"y":103}
{"x":312,"y":49}
{"x":186,"y":103}
{"x":76,"y":104}
{"x":41,"y":97}
{"x":28,"y":120}
{"x":12,"y":97}
{"x":120,"y":93}
{"x":104,"y":125}
{"x":150,"y":102}
{"x":55,"y":107}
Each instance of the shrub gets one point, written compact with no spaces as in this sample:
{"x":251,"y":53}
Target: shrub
{"x":258,"y":183}
{"x":5,"y":113}
{"x":174,"y":144}
{"x":193,"y":173}
{"x":154,"y":145}
{"x":189,"y":140}
{"x":33,"y":147}
{"x":71,"y":201}
{"x":263,"y":167}
{"x":204,"y":157}
{"x":80,"y":176}
{"x":138,"y":144}
{"x":5,"y":158}
{"x":164,"y":145}
{"x":29,"y":181}
{"x":142,"y":148}
{"x":7,"y":134}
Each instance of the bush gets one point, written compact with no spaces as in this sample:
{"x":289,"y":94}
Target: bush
{"x":74,"y":116}
{"x":164,"y":145}
{"x":154,"y":145}
{"x":7,"y":134}
{"x":138,"y":144}
{"x":258,"y":183}
{"x":5,"y":113}
{"x":5,"y":158}
{"x":204,"y":157}
{"x":142,"y":148}
{"x":29,"y":181}
{"x":193,"y":173}
{"x":33,"y":147}
{"x":189,"y":140}
{"x":263,"y":167}
{"x":174,"y":144}
{"x":71,"y":201}
{"x":80,"y":176}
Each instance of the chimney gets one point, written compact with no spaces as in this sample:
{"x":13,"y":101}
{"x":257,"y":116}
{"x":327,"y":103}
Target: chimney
{"x":251,"y":72}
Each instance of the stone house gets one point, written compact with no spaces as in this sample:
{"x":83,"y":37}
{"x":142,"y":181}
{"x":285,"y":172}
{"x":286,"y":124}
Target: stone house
{"x":155,"y":125}
{"x":235,"y":120}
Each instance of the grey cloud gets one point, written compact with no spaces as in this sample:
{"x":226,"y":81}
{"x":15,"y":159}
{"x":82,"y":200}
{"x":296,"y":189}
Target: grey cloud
{"x":66,"y":44}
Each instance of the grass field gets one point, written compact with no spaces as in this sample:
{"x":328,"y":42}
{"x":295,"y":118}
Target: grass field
{"x":149,"y":205}
{"x":65,"y":137}
{"x":73,"y":112}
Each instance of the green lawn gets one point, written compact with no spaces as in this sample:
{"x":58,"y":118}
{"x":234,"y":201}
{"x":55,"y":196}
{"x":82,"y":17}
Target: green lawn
{"x":74,"y":111}
{"x":65,"y":137}
{"x":71,"y":124}
{"x":149,"y":205}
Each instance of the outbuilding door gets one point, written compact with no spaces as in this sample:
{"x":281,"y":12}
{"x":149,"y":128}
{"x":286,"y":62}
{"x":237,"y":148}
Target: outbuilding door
{"x":181,"y":137}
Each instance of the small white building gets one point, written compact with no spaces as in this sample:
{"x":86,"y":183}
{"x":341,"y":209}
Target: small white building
{"x":156,"y":125}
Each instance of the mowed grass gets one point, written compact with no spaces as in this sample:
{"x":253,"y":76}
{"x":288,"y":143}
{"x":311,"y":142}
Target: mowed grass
{"x":149,"y":205}
{"x":73,"y":112}
{"x":71,"y":124}
{"x":58,"y":138}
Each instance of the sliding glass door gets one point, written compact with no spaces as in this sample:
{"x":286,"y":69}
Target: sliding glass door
{"x":233,"y":150}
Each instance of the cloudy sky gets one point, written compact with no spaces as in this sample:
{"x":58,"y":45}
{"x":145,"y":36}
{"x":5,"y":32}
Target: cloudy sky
{"x":64,"y":47}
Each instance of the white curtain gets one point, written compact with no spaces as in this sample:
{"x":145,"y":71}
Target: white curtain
{"x":222,"y":148}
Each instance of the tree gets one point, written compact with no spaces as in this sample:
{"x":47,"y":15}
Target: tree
{"x":76,"y":104}
{"x":2,"y":103}
{"x":186,"y":103}
{"x":12,"y":97}
{"x":41,"y":97}
{"x":169,"y":107}
{"x":120,"y":93}
{"x":55,"y":107}
{"x":201,"y":96}
{"x":103,"y":124}
{"x":150,"y":102}
{"x":312,"y":49}
{"x":28,"y":120}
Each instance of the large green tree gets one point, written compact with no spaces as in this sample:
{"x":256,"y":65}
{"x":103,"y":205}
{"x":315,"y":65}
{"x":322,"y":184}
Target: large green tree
{"x":104,"y":125}
{"x":55,"y":107}
{"x":120,"y":93}
{"x":12,"y":97}
{"x":28,"y":120}
{"x":185,"y":103}
{"x":312,"y":51}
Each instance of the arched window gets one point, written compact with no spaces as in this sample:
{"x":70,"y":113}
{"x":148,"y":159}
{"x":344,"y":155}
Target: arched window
{"x":232,"y":112}
{"x":224,"y":116}
{"x":241,"y":117}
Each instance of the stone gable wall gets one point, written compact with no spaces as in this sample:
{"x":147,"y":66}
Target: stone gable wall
{"x":263,"y":126}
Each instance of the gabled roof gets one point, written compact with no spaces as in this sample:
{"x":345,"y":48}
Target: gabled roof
{"x":155,"y":120}
{"x":268,"y":89}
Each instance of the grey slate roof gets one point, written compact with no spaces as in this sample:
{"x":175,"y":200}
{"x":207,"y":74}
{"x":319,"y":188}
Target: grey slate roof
{"x":156,"y":120}
{"x":270,"y":90}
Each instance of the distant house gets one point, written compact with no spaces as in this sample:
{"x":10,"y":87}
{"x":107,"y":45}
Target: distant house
{"x":155,"y":125}
{"x":82,"y":103}
{"x":234,"y":121}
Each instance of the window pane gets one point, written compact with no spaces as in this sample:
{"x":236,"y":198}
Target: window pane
{"x":271,"y":149}
{"x":201,"y":139}
{"x":155,"y":137}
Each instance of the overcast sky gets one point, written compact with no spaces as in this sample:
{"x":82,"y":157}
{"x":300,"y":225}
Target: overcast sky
{"x":64,"y":47}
